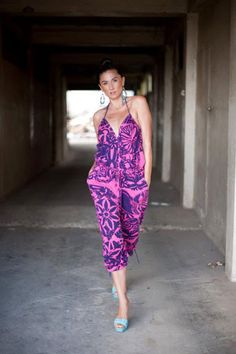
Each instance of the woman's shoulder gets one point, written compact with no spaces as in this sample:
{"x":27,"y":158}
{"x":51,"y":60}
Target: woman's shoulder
{"x":140,"y":107}
{"x":137,"y":100}
{"x":98,"y":115}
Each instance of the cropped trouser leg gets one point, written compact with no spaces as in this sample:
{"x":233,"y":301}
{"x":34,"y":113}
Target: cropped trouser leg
{"x":106,"y":201}
{"x":119,"y":213}
{"x":133,"y":206}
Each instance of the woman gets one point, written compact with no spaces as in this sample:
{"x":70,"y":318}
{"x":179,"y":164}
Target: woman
{"x":120,"y":177}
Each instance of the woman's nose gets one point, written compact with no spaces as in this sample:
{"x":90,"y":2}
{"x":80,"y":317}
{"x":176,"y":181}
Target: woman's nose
{"x":110,"y":85}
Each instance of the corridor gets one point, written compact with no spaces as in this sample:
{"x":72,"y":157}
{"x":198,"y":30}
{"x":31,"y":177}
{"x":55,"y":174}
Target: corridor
{"x":56,"y":295}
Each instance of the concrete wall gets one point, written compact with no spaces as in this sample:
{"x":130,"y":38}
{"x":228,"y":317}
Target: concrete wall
{"x":167,"y":114}
{"x":159,"y":102}
{"x":177,"y":119}
{"x":25,"y":140}
{"x":41,"y":146}
{"x":15,"y":114}
{"x":230,"y":256}
{"x":212,"y":121}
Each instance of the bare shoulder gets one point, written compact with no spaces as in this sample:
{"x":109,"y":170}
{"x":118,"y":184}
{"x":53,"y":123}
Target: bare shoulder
{"x":139,"y":104}
{"x":139,"y":100}
{"x":141,"y":110}
{"x":98,"y":115}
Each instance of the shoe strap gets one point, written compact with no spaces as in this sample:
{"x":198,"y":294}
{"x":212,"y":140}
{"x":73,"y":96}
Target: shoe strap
{"x":122,"y":321}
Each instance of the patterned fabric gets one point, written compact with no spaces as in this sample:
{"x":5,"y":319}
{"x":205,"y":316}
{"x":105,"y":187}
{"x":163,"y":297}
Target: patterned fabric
{"x":119,"y":190}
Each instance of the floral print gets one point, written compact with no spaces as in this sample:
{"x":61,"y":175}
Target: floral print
{"x":119,"y":190}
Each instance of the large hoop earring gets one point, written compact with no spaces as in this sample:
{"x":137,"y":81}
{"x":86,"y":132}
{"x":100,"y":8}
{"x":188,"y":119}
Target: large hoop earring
{"x":123,"y":95}
{"x":102,"y":99}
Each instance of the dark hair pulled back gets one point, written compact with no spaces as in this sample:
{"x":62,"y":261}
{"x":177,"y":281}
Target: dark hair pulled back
{"x":107,"y":64}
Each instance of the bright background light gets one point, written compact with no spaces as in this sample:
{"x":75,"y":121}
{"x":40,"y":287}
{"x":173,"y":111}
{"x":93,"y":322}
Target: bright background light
{"x":81,"y":106}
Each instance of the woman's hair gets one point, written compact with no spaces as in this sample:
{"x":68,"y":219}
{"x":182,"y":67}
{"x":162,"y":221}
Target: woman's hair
{"x":107,"y":64}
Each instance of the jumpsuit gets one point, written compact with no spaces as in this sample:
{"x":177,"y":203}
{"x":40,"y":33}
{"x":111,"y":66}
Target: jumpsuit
{"x":119,"y":189}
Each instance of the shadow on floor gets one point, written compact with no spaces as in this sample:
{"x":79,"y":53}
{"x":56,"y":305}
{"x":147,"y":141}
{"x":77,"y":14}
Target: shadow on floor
{"x":56,"y":294}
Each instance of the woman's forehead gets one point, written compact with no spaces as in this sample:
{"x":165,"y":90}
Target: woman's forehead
{"x":109,"y":74}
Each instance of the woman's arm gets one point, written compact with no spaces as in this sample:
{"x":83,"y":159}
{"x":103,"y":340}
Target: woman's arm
{"x":145,"y":121}
{"x":96,"y":122}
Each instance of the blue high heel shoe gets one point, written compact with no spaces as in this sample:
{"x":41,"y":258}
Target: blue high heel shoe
{"x":121,"y":321}
{"x":114,"y":293}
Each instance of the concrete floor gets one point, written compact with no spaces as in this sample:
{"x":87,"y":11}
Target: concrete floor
{"x":55,"y":293}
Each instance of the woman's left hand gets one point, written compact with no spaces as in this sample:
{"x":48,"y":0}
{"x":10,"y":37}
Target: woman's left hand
{"x":148,"y":180}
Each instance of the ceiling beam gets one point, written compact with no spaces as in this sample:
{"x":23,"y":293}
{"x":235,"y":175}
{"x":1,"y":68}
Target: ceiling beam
{"x":87,"y":36}
{"x":94,"y":7}
{"x":133,"y":62}
{"x":197,"y":5}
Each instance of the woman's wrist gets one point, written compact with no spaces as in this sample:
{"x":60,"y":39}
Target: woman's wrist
{"x":148,"y":180}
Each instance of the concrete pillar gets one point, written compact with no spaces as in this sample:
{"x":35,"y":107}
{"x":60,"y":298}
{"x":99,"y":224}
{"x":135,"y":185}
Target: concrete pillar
{"x":1,"y":117}
{"x":231,"y":177}
{"x":64,"y":118}
{"x":154,"y":124}
{"x":58,"y":114}
{"x":31,"y":93}
{"x":190,"y":109}
{"x":167,"y":115}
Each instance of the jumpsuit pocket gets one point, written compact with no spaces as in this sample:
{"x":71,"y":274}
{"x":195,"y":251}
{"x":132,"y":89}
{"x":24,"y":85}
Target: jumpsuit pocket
{"x":90,"y":174}
{"x":90,"y":171}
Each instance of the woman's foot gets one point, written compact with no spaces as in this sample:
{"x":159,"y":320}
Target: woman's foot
{"x":121,"y":322}
{"x":122,"y":313}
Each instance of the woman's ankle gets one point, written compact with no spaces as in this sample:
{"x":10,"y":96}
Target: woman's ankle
{"x":124,"y":300}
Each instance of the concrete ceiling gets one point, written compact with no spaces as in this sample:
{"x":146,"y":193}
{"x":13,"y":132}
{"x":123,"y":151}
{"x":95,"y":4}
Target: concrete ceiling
{"x":80,"y":69}
{"x":77,"y":45}
{"x":76,"y":34}
{"x":105,"y":8}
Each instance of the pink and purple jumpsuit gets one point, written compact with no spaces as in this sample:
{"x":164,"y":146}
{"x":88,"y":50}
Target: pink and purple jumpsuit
{"x":119,"y":190}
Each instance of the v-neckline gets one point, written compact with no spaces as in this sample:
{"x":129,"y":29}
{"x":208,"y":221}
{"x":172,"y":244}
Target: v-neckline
{"x":112,"y":129}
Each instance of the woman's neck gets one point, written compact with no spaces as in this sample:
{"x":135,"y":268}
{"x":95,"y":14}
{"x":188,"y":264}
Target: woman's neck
{"x":117,"y":104}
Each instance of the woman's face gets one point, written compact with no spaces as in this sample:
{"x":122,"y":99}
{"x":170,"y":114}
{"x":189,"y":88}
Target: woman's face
{"x":111,"y":83}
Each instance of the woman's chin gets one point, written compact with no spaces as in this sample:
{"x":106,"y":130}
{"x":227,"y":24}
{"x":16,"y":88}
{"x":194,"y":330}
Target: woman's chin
{"x":114,"y":96}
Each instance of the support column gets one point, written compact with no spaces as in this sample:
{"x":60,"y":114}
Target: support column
{"x":1,"y":117}
{"x":167,"y":115}
{"x":154,"y":124}
{"x":64,"y":118}
{"x":190,"y":110}
{"x":231,"y":176}
{"x":58,"y":115}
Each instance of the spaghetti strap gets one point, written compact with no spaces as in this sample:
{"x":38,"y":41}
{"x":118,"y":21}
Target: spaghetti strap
{"x":106,"y":110}
{"x":127,"y":106}
{"x":109,"y":105}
